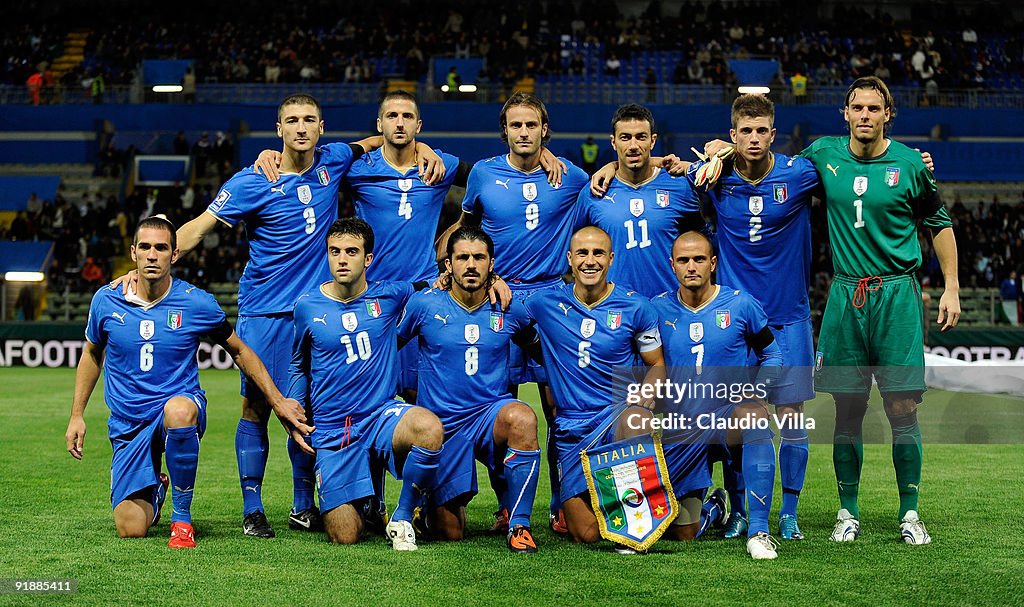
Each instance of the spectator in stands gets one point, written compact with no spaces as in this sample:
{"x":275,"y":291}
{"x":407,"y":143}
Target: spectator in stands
{"x":201,"y":151}
{"x":612,"y":65}
{"x":21,"y":227}
{"x":35,"y":87}
{"x":180,"y":144}
{"x":651,"y":80}
{"x":1009,"y":291}
{"x":92,"y":273}
{"x":188,"y":85}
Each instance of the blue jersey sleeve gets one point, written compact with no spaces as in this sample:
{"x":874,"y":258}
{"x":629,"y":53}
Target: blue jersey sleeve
{"x":94,"y":326}
{"x":451,"y":169}
{"x":411,"y":319}
{"x":646,"y":334}
{"x":336,"y":157}
{"x":236,"y":198}
{"x":471,"y":202}
{"x":299,"y":369}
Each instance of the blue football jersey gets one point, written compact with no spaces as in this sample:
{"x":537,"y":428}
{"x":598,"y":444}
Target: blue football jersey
{"x":464,"y":354}
{"x":150,"y":349}
{"x":590,"y":351}
{"x":529,"y":221}
{"x":345,"y":355}
{"x":711,"y":344}
{"x":286,"y":223}
{"x":643,"y":222}
{"x":403,"y":212}
{"x":764,"y":236}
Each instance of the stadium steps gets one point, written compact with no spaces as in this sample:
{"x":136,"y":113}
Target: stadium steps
{"x":979,"y":306}
{"x":74,"y":53}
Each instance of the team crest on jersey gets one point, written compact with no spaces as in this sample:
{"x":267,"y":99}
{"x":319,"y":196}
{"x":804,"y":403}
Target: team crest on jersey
{"x":661,"y":197}
{"x":305,"y":195}
{"x":497,"y":321}
{"x":892,"y":176}
{"x":405,"y":184}
{"x":780,"y":191}
{"x":614,"y":320}
{"x":756,"y":205}
{"x":860,"y":185}
{"x":819,"y":360}
{"x":472,"y":333}
{"x":373,"y":308}
{"x":218,"y":202}
{"x":174,"y":319}
{"x":146,"y":329}
{"x":723,"y":319}
{"x":696,"y":331}
{"x":636,"y":206}
{"x":349,"y":321}
{"x":587,"y":327}
{"x":530,"y":191}
{"x":321,"y":174}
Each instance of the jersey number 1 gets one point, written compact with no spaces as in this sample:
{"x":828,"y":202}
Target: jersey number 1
{"x":859,"y":205}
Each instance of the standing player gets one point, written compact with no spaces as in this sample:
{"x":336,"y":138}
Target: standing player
{"x":644,"y":208}
{"x":714,"y":329}
{"x":877,"y":190}
{"x":402,"y":209}
{"x":146,"y":342}
{"x":764,"y":248}
{"x":286,"y":222}
{"x":464,"y":341}
{"x":345,"y":367}
{"x":591,"y":332}
{"x":528,"y":219}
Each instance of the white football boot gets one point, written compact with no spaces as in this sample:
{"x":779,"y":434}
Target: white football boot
{"x":847,"y":528}
{"x":402,"y":535}
{"x":912,"y":529}
{"x":762,"y":547}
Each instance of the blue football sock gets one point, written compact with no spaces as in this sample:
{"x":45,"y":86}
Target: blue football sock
{"x":759,"y":475}
{"x":522,"y":469}
{"x":251,"y":448}
{"x":793,"y":453}
{"x":732,"y":479}
{"x":182,"y":454}
{"x":417,"y":480}
{"x":709,"y":512}
{"x":302,"y":477}
{"x":552,"y":456}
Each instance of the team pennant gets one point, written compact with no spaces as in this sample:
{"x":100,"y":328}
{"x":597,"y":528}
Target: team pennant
{"x":630,"y":490}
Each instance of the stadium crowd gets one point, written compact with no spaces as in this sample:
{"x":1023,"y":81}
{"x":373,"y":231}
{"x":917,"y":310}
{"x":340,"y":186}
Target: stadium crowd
{"x":361,"y":43}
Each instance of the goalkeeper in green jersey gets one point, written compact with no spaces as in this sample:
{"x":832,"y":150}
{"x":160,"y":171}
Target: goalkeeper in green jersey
{"x":877,"y":190}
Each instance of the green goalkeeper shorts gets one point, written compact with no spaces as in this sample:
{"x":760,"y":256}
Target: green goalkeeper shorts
{"x":872,"y":327}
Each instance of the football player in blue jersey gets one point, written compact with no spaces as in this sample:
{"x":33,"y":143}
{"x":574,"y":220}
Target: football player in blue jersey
{"x":464,"y":341}
{"x":286,"y":223}
{"x":344,"y":366}
{"x":146,"y":344}
{"x":530,"y":220}
{"x":762,"y":203}
{"x":644,"y":208}
{"x":714,"y":329}
{"x":591,"y":333}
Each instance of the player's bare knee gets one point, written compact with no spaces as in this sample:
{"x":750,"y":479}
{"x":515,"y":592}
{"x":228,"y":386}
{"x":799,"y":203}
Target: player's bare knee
{"x":255,"y":410}
{"x":521,"y":422}
{"x":683,"y":533}
{"x":899,"y":407}
{"x":131,"y":522}
{"x":343,"y":525}
{"x":634,"y":421}
{"x":423,"y":428}
{"x":180,"y":412}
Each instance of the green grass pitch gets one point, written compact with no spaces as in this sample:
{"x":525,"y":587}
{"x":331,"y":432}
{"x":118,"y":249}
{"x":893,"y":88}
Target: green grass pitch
{"x":57,"y":523}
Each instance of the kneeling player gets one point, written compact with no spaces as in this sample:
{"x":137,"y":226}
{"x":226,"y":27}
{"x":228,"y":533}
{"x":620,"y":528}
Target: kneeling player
{"x":712,"y":330}
{"x":344,"y":364}
{"x":146,"y":342}
{"x":591,"y":332}
{"x":463,"y":378}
